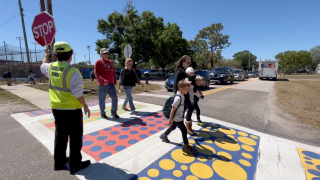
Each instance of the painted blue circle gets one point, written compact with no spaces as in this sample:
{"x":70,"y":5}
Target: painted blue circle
{"x":135,"y":125}
{"x":316,"y":178}
{"x":307,"y":158}
{"x":161,"y":128}
{"x":115,"y":133}
{"x":95,"y":148}
{"x":308,"y":162}
{"x":151,"y":125}
{"x":125,"y":129}
{"x":110,"y":143}
{"x":132,"y":141}
{"x":158,"y":117}
{"x":143,"y":116}
{"x":143,"y":128}
{"x":94,"y":133}
{"x":134,"y":132}
{"x":152,"y":132}
{"x":107,"y":129}
{"x":143,"y":136}
{"x":166,"y":124}
{"x":123,"y":137}
{"x":158,"y":122}
{"x":311,"y":154}
{"x":150,"y":119}
{"x":165,"y":119}
{"x":102,"y":138}
{"x":118,"y":125}
{"x":87,"y":143}
{"x":318,"y":167}
{"x":314,"y":172}
{"x":120,"y":148}
{"x":104,"y":154}
{"x":83,"y":138}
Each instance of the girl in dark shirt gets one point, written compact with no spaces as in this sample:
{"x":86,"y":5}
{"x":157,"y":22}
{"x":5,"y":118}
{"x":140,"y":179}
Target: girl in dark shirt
{"x":128,"y":79}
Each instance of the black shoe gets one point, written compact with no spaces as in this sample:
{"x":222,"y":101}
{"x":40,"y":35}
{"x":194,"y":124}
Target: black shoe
{"x":188,"y":149}
{"x":61,"y":166}
{"x":125,"y":109}
{"x":115,"y":116}
{"x":164,"y":138}
{"x":82,"y":165}
{"x":104,"y":116}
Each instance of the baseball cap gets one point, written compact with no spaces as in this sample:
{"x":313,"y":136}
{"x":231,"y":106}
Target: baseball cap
{"x":189,"y":70}
{"x":62,"y":46}
{"x":104,"y":50}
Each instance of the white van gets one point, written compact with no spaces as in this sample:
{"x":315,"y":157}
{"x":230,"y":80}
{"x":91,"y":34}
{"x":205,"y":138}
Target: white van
{"x":268,"y":69}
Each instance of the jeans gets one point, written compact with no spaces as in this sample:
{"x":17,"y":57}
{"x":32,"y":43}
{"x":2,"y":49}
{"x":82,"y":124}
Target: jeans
{"x":182,"y":128}
{"x":69,"y":123}
{"x":128,"y":90}
{"x":103,"y":91}
{"x":31,"y":79}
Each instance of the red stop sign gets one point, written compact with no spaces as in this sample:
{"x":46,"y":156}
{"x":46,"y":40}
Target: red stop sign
{"x":43,"y":28}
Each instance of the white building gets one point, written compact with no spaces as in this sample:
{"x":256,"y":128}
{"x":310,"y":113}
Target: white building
{"x":317,"y":70}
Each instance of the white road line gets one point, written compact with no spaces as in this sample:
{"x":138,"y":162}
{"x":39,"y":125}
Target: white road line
{"x":153,"y":95}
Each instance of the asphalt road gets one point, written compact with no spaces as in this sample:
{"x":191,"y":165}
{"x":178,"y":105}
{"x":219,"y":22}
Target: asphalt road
{"x":250,"y":104}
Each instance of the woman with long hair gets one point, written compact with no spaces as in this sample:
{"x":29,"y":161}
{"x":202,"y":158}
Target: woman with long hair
{"x":180,"y":74}
{"x":128,"y":79}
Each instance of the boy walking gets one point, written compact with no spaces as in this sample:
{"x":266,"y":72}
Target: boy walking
{"x":176,"y":117}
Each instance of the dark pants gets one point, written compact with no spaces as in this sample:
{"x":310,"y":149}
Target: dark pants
{"x":92,"y":78}
{"x":188,"y":106}
{"x":182,"y":128}
{"x":69,"y":123}
{"x":196,"y":106}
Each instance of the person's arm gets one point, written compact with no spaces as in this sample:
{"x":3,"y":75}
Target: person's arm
{"x":176,"y":78}
{"x":137,"y":78}
{"x":97,"y":74}
{"x":191,"y":94}
{"x":45,"y":64}
{"x":121,"y":78}
{"x":114,"y":75}
{"x":173,"y":110}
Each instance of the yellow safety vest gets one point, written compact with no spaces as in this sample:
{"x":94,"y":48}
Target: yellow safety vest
{"x":59,"y":89}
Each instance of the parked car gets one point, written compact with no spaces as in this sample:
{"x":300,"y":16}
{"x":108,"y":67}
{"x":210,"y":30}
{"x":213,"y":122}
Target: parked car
{"x":302,"y":71}
{"x":154,"y":73}
{"x":222,"y":75}
{"x":206,"y":77}
{"x":246,"y":74}
{"x":256,"y":73}
{"x":169,"y":83}
{"x":138,"y":73}
{"x":239,"y":74}
{"x":168,"y":73}
{"x":252,"y":74}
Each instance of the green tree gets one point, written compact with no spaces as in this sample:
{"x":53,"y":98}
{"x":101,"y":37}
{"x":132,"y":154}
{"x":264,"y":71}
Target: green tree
{"x":315,"y":53}
{"x":291,"y":61}
{"x":81,"y":64}
{"x":243,"y":58}
{"x":201,"y":53}
{"x":214,"y":38}
{"x":229,"y":62}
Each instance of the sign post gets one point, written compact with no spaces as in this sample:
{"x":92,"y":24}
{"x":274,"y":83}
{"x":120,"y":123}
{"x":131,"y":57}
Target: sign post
{"x":127,"y":51}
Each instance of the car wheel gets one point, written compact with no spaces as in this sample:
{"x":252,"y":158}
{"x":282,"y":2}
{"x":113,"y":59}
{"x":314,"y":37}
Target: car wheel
{"x":159,"y":75}
{"x":225,"y":81}
{"x":232,"y":79}
{"x":146,"y":75}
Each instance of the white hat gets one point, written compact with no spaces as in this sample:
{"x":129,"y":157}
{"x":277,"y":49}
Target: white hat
{"x":189,"y":70}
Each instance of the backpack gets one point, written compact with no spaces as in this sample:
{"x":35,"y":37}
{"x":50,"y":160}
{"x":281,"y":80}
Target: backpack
{"x":168,"y":106}
{"x":4,"y":75}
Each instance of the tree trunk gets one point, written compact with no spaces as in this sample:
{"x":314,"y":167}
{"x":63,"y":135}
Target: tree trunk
{"x":211,"y":61}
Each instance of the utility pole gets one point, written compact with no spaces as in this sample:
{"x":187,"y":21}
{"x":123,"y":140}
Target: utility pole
{"x":5,"y":51}
{"x":35,"y":50}
{"x":85,"y":60}
{"x":20,"y":38}
{"x":49,"y":9}
{"x":24,"y":33}
{"x":74,"y":55}
{"x":88,"y":47}
{"x":249,"y":62}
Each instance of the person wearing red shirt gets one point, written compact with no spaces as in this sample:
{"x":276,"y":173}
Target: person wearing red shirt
{"x":106,"y":76}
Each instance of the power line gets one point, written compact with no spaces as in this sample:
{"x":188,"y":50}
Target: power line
{"x":10,"y":20}
{"x":7,"y":7}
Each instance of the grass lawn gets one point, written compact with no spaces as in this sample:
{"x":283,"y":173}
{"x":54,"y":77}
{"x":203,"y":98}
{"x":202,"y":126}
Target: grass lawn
{"x":301,"y":99}
{"x":93,"y":85}
{"x":299,"y":76}
{"x":7,"y":97}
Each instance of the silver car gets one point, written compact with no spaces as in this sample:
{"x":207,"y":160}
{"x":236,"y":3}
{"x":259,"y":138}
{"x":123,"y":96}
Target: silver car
{"x":252,"y":74}
{"x":238,"y":74}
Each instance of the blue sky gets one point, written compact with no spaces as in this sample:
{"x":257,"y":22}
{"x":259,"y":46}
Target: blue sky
{"x":265,"y":27}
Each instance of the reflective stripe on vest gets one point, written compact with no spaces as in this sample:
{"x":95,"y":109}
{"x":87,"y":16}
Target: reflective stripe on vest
{"x":64,"y":80}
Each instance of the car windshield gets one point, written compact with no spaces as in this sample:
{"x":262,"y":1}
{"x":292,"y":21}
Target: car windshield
{"x":251,"y":72}
{"x":236,"y":71}
{"x":219,"y":69}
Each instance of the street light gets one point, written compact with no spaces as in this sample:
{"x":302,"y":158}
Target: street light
{"x":88,"y":47}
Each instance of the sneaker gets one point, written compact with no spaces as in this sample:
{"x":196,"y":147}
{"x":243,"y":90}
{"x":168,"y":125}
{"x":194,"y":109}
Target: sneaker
{"x":61,"y":166}
{"x":199,"y":123}
{"x":115,"y":116}
{"x":134,"y":113}
{"x":164,"y":138}
{"x":104,"y":116}
{"x":188,"y":149}
{"x":82,"y":165}
{"x":125,"y":109}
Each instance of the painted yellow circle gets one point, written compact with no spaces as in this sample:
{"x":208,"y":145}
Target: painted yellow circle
{"x":195,"y":137}
{"x":242,"y":134}
{"x":206,"y":150}
{"x":254,"y":137}
{"x":247,"y":148}
{"x":153,"y":172}
{"x":208,"y":141}
{"x":248,"y":141}
{"x":184,"y":167}
{"x":231,"y":136}
{"x":245,"y":162}
{"x":205,"y":129}
{"x":201,"y":170}
{"x":246,"y":155}
{"x":177,"y":173}
{"x":166,"y":164}
{"x":208,"y":127}
{"x":191,"y":141}
{"x":178,"y":155}
{"x":217,"y":134}
{"x":227,"y":130}
{"x":227,"y":144}
{"x":211,"y":158}
{"x":190,"y":177}
{"x":224,"y":155}
{"x":144,"y":178}
{"x":202,"y":158}
{"x":203,"y":134}
{"x":229,"y":170}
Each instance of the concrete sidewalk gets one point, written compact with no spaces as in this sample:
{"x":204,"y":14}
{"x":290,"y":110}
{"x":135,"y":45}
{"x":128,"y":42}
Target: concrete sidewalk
{"x":37,"y":97}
